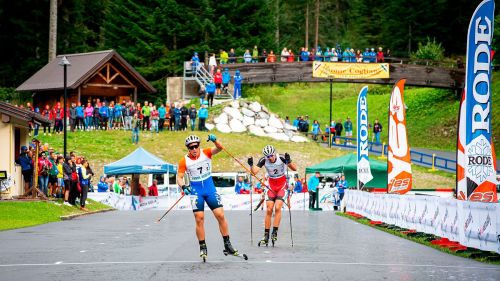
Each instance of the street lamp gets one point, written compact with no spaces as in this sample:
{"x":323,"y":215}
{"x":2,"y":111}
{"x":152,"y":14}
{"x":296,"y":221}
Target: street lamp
{"x":64,"y":63}
{"x":330,"y":124}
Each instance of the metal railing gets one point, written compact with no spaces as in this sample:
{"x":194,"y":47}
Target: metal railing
{"x":200,"y":73}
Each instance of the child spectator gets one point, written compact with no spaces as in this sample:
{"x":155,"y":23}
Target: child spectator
{"x":271,"y":57}
{"x":202,"y":116}
{"x":212,"y":63}
{"x":247,"y":57}
{"x":218,"y":82}
{"x":237,"y":85}
{"x":60,"y":176}
{"x":255,"y":54}
{"x":224,"y":57}
{"x":210,"y":88}
{"x":136,"y":124}
{"x":232,"y":56}
{"x":291,"y":56}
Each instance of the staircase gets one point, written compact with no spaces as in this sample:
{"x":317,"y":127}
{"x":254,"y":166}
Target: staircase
{"x":202,"y":77}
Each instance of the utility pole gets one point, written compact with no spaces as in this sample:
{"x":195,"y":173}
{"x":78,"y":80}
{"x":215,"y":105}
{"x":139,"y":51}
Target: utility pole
{"x":317,"y":25}
{"x":53,"y":30}
{"x":307,"y":26}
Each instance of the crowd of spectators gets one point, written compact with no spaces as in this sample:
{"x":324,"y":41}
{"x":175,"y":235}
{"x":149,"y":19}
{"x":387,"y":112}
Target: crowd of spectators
{"x":68,"y":178}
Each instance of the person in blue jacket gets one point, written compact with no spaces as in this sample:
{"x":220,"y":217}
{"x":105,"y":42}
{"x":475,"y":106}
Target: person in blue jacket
{"x":117,"y":115}
{"x":373,"y":55}
{"x":104,"y":114}
{"x":202,"y":116}
{"x":319,"y":54}
{"x":226,"y":78}
{"x":195,"y":62}
{"x":339,"y":53}
{"x":102,"y":186}
{"x":346,"y":56}
{"x":210,"y":89}
{"x":342,"y":186}
{"x":237,"y":85}
{"x":366,"y":55}
{"x":327,"y":55}
{"x":304,"y":55}
{"x":79,"y":117}
{"x":26,"y":163}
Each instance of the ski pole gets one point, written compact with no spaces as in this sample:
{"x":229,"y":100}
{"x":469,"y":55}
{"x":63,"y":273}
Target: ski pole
{"x":289,"y":211}
{"x":178,"y":200}
{"x":251,"y":213}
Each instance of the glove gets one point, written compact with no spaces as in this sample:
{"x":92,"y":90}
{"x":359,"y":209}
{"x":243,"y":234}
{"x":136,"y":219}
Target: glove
{"x":288,"y":160}
{"x":250,"y":161}
{"x":186,"y":190}
{"x":212,"y":138}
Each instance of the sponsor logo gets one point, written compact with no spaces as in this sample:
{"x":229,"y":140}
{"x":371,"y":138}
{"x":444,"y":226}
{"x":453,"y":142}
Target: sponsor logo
{"x":479,"y":160}
{"x":482,"y":196}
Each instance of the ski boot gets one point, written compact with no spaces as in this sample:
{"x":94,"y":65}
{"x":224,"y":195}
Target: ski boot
{"x":228,"y":249}
{"x":203,"y":252}
{"x":274,"y":237}
{"x":265,"y":240}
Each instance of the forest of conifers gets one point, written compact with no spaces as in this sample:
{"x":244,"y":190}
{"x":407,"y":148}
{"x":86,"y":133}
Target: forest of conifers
{"x":156,"y":36}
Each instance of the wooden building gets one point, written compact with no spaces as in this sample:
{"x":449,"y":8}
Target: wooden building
{"x":103,"y":75}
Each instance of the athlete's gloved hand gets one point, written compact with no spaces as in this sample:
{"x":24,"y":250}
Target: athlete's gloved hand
{"x":250,"y":161}
{"x":288,"y":160}
{"x":212,"y":138}
{"x":186,"y":190}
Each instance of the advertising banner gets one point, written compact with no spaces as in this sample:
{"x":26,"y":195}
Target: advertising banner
{"x":476,"y":178}
{"x":363,"y":166}
{"x":342,"y":70}
{"x":399,"y":175}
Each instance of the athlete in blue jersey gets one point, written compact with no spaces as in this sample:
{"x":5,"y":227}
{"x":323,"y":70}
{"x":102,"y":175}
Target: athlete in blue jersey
{"x":197,"y":164}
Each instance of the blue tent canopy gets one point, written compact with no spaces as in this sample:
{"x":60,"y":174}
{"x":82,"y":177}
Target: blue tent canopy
{"x":139,"y":162}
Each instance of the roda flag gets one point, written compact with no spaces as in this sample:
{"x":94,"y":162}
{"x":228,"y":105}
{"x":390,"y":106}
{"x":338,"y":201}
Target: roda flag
{"x":476,"y":175}
{"x":399,"y":177}
{"x":363,"y":166}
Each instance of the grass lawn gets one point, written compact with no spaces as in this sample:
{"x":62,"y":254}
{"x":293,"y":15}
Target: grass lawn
{"x":18,"y":214}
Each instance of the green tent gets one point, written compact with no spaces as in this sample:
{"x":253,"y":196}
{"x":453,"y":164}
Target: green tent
{"x":347,"y":164}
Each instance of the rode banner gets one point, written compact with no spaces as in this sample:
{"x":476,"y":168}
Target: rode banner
{"x":363,"y":166}
{"x":342,"y":70}
{"x":476,"y":175}
{"x":399,"y":175}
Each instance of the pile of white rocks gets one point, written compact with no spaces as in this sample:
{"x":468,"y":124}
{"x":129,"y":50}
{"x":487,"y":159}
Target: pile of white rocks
{"x":241,"y":116}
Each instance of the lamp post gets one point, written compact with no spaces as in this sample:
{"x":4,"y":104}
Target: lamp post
{"x":330,"y":124}
{"x":64,"y":63}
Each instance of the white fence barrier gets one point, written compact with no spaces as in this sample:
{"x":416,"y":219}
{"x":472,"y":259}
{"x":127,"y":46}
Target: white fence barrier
{"x":472,"y":224}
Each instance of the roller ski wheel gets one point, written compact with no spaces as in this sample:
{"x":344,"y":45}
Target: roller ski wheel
{"x":274,"y":238}
{"x":203,"y":254}
{"x":235,"y":254}
{"x":264,"y":241}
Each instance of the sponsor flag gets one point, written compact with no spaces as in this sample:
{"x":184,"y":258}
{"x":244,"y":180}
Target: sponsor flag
{"x":476,"y":175}
{"x":363,"y":166}
{"x":399,"y":176}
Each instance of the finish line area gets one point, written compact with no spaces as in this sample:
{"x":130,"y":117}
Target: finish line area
{"x":131,"y":246}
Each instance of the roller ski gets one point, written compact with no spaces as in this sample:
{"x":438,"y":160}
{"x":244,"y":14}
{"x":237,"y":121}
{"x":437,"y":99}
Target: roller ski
{"x":203,"y":252}
{"x":230,"y":251}
{"x":274,"y":238}
{"x":264,"y":241}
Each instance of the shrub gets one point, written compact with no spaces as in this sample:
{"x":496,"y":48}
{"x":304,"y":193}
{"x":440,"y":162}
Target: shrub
{"x":430,"y":51}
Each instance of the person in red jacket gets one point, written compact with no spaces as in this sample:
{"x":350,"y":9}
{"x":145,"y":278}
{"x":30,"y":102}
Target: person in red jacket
{"x":153,"y":189}
{"x":58,"y":115}
{"x":218,"y":82}
{"x":142,"y":190}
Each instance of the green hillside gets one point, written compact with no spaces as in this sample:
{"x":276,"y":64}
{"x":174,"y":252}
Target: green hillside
{"x":431,"y":115}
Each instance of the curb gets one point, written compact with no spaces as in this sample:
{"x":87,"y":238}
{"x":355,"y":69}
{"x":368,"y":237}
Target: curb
{"x":70,"y":217}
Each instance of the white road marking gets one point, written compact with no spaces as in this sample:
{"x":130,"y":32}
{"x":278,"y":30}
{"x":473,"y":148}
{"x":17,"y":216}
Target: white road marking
{"x":117,"y":237}
{"x":146,"y":225}
{"x":102,"y":243}
{"x":138,"y":228}
{"x":461,"y":267}
{"x":128,"y":233}
{"x":58,"y":262}
{"x":83,"y":251}
{"x":266,"y":252}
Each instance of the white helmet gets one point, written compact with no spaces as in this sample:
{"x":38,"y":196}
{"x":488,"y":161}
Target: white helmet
{"x":192,"y":139}
{"x":268,"y":150}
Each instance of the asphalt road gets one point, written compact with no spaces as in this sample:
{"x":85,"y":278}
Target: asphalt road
{"x":131,"y":246}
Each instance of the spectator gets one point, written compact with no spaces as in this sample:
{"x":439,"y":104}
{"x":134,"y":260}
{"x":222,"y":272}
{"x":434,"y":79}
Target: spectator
{"x":232,"y":56}
{"x":47,"y":114}
{"x":312,"y":184}
{"x":85,"y":176}
{"x":342,"y":186}
{"x":271,"y":57}
{"x":96,"y":119}
{"x":359,"y":56}
{"x":44,"y":167}
{"x":67,"y":170}
{"x":136,"y":125}
{"x":192,"y":116}
{"x":104,"y":114}
{"x":102,"y":186}
{"x":146,"y":113}
{"x":312,"y":54}
{"x":142,"y":190}
{"x":373,"y":55}
{"x":226,"y":78}
{"x":338,"y":50}
{"x":53,"y":173}
{"x":247,"y":57}
{"x":210,"y":88}
{"x":212,"y":63}
{"x":264,"y":55}
{"x":284,"y":55}
{"x":245,"y":189}
{"x":202,"y":116}
{"x":348,"y":130}
{"x":318,"y":56}
{"x":218,"y":82}
{"x":377,"y":128}
{"x":80,"y":116}
{"x":237,"y":85}
{"x":224,"y":57}
{"x":334,"y":56}
{"x":316,"y":130}
{"x":177,"y":116}
{"x":168,"y":117}
{"x":338,"y":128}
{"x":366,"y":56}
{"x":287,"y":120}
{"x":297,"y":184}
{"x":380,"y":55}
{"x":60,"y":176}
{"x":195,"y":62}
{"x":89,"y":113}
{"x":117,"y":188}
{"x":327,"y":55}
{"x":296,"y":122}
{"x":202,"y":93}
{"x":239,"y":185}
{"x":387,"y":53}
{"x":73,"y":183}
{"x":111,"y":112}
{"x":162,"y":114}
{"x":37,"y":126}
{"x":291,"y":56}
{"x":118,"y":116}
{"x":154,"y":119}
{"x":153,"y":189}
{"x":72,"y":116}
{"x":26,"y":167}
{"x":255,"y":54}
{"x":184,"y":116}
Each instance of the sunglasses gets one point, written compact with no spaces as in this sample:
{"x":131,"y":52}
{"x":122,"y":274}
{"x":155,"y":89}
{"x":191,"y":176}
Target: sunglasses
{"x":269,"y":156}
{"x":193,"y":147}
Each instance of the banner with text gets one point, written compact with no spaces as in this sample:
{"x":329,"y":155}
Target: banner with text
{"x":342,"y":70}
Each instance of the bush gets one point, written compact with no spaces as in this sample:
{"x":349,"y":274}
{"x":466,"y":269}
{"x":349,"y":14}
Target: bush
{"x":430,"y":51}
{"x":10,"y":95}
